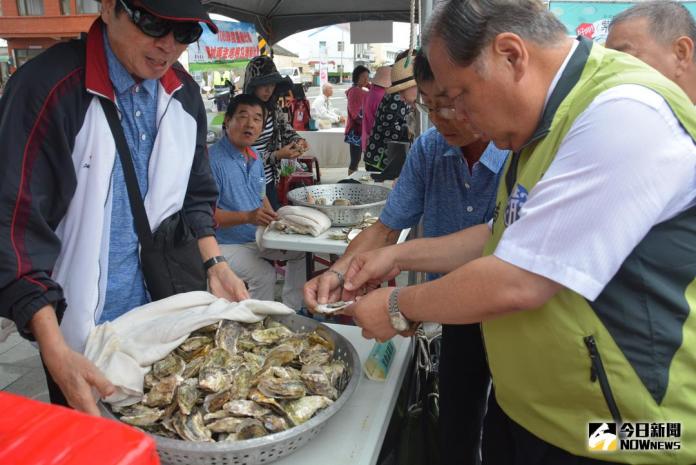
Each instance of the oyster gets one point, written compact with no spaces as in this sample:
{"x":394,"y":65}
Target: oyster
{"x":187,"y":395}
{"x":191,"y":427}
{"x":225,"y":425}
{"x":162,"y":392}
{"x":315,"y":355}
{"x":250,"y":428}
{"x":318,"y":382}
{"x":282,"y":388}
{"x":170,"y":365}
{"x":271,"y":335}
{"x":193,"y":367}
{"x":194,"y":343}
{"x":274,"y":423}
{"x":227,"y":335}
{"x":214,"y":379}
{"x":303,"y":409}
{"x":142,"y":416}
{"x":333,"y":307}
{"x":245,"y":408}
{"x":342,"y":202}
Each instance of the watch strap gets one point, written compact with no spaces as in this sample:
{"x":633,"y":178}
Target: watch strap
{"x":214,"y":261}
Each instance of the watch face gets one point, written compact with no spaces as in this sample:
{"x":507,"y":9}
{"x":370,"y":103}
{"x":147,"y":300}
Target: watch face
{"x":398,"y":322}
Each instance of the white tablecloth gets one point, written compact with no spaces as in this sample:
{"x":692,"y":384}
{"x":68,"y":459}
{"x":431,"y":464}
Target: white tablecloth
{"x":328,"y":146}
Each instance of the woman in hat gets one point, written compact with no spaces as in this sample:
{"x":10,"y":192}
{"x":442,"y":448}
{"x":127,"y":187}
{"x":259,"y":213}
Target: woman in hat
{"x":278,"y":140}
{"x":391,"y":119}
{"x":380,"y":83}
{"x":354,"y":123}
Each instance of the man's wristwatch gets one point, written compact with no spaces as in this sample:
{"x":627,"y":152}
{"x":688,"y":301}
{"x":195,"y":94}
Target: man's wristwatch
{"x":213,"y":261}
{"x":398,"y":321}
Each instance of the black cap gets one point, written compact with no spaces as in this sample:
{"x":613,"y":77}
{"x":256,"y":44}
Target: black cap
{"x":177,"y":10}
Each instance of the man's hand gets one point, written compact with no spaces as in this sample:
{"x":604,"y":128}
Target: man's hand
{"x":322,"y":289}
{"x":73,"y":373}
{"x":76,"y":376}
{"x":225,"y":284}
{"x":262,"y":216}
{"x":371,"y":313}
{"x":370,"y":269}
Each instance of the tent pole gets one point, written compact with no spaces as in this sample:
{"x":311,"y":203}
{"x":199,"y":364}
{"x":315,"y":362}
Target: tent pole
{"x":423,"y":16}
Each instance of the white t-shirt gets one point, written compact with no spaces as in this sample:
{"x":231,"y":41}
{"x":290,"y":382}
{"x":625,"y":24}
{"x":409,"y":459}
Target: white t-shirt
{"x":625,"y":165}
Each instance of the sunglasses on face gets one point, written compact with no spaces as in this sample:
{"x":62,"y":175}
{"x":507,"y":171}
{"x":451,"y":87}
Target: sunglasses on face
{"x":442,"y":112}
{"x":154,"y":26}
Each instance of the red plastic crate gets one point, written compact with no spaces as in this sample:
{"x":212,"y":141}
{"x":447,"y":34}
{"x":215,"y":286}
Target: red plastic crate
{"x":36,"y":433}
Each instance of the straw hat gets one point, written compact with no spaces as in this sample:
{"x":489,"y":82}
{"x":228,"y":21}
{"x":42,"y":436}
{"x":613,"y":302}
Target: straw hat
{"x":382,"y":76}
{"x":402,"y":75}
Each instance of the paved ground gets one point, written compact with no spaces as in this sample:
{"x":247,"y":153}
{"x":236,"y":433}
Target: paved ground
{"x":20,"y":365}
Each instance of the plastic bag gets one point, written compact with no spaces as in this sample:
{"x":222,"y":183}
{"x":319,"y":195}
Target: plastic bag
{"x":33,"y":432}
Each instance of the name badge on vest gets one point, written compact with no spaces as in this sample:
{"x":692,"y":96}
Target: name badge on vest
{"x":515,"y":203}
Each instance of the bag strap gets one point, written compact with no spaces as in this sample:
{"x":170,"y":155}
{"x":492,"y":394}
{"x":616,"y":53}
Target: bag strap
{"x":142,"y":225}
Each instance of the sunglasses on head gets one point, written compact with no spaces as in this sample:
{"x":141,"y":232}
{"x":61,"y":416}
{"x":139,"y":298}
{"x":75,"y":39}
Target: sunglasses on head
{"x":154,"y":26}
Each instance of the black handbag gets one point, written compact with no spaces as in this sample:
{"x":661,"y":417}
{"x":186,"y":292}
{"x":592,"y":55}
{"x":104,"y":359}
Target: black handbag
{"x":170,"y":259}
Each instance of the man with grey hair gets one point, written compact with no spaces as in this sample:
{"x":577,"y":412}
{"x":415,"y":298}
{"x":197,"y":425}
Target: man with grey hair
{"x":662,"y":34}
{"x":583,"y":280}
{"x":322,"y":110}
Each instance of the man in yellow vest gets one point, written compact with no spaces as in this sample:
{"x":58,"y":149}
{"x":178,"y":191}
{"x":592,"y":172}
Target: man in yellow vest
{"x":662,"y":34}
{"x":584,"y":280}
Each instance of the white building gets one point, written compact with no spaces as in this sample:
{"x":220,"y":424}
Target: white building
{"x":340,"y":53}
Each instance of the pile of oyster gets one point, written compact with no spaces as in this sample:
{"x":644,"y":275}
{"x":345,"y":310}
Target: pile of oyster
{"x":233,"y":381}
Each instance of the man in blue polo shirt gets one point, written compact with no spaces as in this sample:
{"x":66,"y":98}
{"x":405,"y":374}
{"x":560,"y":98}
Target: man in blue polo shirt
{"x":242,"y":205}
{"x":449,"y":180}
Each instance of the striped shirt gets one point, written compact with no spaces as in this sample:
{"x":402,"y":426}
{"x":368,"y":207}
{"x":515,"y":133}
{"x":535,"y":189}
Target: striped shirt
{"x":261,"y":147}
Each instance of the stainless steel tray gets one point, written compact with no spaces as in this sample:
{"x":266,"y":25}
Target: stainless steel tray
{"x":366,"y":198}
{"x":268,"y":448}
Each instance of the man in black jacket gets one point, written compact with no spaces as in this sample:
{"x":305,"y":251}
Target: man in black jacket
{"x":68,"y":248}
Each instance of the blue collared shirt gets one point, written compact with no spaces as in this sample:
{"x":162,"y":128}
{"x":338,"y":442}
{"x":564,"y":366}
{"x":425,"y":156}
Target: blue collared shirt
{"x":436,"y":184}
{"x":241,"y":185}
{"x":137,"y":101}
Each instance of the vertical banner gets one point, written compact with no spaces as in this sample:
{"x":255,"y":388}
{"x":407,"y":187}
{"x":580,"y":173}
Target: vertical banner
{"x":233,"y":42}
{"x":591,"y":19}
{"x":323,"y":64}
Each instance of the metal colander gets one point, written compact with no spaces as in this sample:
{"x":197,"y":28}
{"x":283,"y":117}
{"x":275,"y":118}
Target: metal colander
{"x":265,"y":449}
{"x":365,"y":198}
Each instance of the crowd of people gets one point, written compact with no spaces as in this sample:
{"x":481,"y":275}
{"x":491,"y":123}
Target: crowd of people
{"x":556,"y":189}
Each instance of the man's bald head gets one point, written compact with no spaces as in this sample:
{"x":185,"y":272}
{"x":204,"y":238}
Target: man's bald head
{"x":327,"y":89}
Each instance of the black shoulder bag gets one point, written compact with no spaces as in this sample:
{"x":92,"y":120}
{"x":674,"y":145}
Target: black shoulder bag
{"x":170,"y":259}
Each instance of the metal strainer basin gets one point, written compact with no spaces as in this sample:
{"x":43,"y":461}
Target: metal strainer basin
{"x":365,"y":198}
{"x":269,"y":448}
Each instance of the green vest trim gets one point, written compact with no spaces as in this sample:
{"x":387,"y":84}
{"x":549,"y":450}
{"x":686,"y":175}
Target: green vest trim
{"x":631,"y":353}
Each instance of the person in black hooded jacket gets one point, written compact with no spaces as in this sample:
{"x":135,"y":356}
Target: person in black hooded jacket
{"x":278,"y":140}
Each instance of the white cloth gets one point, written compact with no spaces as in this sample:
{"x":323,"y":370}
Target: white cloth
{"x":124,"y":349}
{"x":321,"y":109}
{"x":301,"y":220}
{"x":252,"y":266}
{"x":625,"y":165}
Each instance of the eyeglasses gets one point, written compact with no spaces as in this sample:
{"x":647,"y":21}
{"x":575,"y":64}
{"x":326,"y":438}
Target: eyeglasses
{"x":442,"y":112}
{"x":154,"y":26}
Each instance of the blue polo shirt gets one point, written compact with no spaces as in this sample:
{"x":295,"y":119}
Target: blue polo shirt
{"x":436,"y":184}
{"x":137,"y":101}
{"x":242,"y":187}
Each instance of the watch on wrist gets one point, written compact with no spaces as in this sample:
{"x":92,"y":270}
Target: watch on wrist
{"x":398,"y":321}
{"x":209,"y":263}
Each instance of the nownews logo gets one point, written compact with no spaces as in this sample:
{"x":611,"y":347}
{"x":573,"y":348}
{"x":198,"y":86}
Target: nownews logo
{"x":603,"y":437}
